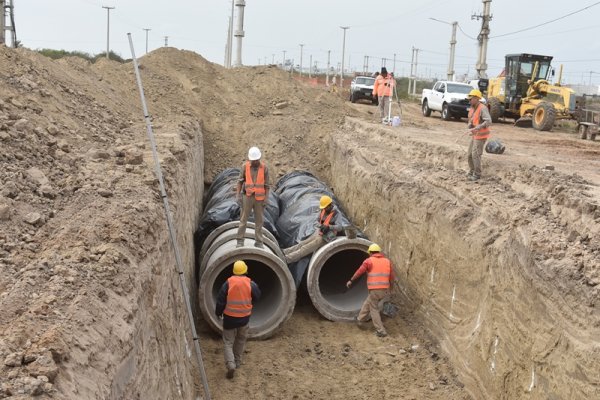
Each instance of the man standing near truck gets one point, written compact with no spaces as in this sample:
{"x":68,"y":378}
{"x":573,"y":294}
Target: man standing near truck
{"x":479,"y":130}
{"x":383,"y":89}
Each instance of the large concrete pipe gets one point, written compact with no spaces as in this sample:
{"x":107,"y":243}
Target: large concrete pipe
{"x":265,"y":267}
{"x":328,"y":271}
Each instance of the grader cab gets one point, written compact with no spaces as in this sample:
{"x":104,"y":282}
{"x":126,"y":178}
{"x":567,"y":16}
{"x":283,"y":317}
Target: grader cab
{"x":523,"y":92}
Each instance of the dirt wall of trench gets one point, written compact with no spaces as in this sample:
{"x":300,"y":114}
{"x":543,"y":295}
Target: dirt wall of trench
{"x":515,"y":315}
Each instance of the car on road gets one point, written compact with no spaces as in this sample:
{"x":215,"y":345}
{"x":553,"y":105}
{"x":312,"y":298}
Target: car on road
{"x":362,"y":88}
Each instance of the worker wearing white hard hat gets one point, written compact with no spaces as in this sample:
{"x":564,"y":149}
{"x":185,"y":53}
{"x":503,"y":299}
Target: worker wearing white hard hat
{"x":253,"y":195}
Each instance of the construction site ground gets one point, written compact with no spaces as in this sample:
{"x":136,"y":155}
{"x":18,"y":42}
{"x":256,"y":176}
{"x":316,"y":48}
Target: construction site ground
{"x":499,"y":279}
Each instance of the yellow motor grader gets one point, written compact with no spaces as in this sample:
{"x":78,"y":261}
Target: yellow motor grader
{"x":524,"y":93}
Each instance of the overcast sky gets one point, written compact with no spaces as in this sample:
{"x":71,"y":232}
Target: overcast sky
{"x":378,"y":29}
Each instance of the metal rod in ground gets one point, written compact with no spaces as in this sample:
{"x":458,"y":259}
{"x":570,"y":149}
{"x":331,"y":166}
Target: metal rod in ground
{"x":172,"y":235}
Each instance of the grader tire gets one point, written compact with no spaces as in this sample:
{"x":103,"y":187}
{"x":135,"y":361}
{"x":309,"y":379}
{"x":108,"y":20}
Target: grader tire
{"x":583,"y":131}
{"x":544,"y":116}
{"x":495,"y":109}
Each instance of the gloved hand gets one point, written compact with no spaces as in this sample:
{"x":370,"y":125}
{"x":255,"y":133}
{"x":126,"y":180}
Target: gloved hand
{"x":348,"y":284}
{"x":324,"y":229}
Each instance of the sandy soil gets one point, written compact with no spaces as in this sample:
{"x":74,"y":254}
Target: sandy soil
{"x":92,"y":310}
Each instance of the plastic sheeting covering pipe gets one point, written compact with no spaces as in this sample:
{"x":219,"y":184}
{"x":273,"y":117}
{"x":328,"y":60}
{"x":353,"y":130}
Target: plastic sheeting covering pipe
{"x":265,"y":266}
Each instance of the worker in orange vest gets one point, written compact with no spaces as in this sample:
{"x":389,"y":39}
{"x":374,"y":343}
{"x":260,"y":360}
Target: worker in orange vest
{"x":234,"y":305}
{"x":479,"y":130}
{"x":380,"y":276}
{"x":383,"y":89}
{"x":253,"y":194}
{"x":326,"y":230}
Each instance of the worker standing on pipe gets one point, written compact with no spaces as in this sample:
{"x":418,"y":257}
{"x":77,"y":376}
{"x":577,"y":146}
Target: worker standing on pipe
{"x":253,"y":194}
{"x":380,"y":276}
{"x":326,"y":231}
{"x":234,"y":305}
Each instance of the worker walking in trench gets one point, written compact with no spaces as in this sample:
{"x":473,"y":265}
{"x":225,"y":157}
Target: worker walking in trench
{"x":380,"y":276}
{"x":383,"y":88}
{"x":325,"y":232}
{"x":234,"y":305}
{"x":479,"y":130}
{"x":253,"y":194}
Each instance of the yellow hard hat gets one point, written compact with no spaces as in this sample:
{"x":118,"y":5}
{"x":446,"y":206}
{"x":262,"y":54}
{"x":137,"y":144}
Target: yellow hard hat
{"x":325,"y":201}
{"x":475,"y":93}
{"x":239,"y":268}
{"x":374,"y":248}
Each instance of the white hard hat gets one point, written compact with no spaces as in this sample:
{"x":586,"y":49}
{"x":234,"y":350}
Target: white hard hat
{"x":254,"y":154}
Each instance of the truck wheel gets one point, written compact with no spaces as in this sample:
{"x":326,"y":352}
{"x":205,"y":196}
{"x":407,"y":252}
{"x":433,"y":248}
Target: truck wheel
{"x":495,"y":109}
{"x":583,"y":131}
{"x":446,"y":112}
{"x":353,"y":97}
{"x":544,"y":116}
{"x":425,"y":108}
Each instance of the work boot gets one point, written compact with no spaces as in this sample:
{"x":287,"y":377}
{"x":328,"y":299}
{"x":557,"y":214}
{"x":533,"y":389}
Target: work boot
{"x":381,"y":333}
{"x":259,"y":245}
{"x":240,"y":243}
{"x":361,"y":324}
{"x":238,"y":364}
{"x":473,"y":178}
{"x":469,"y":174}
{"x":230,"y":373}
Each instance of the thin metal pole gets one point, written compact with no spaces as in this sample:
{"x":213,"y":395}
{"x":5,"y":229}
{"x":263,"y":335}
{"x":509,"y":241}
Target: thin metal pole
{"x":230,"y":48}
{"x":2,"y":22}
{"x":108,"y":30}
{"x":327,"y":72}
{"x":147,"y":30}
{"x":343,"y":55}
{"x":171,"y":227}
{"x":301,"y":50}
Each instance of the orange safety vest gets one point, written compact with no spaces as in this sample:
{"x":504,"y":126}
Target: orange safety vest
{"x":383,"y":86}
{"x":379,"y":275}
{"x":256,"y":188}
{"x":239,"y":297}
{"x":474,"y":117}
{"x":327,"y":220}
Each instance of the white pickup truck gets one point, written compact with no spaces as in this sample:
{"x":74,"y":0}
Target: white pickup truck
{"x":449,"y":98}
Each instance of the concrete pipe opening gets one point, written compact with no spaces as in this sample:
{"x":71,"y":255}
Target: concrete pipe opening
{"x":265,"y":267}
{"x":328,"y":271}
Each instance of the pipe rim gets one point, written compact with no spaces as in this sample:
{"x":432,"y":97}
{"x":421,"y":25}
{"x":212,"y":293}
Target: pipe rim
{"x":278,"y":266}
{"x":317,"y":262}
{"x":227,"y":226}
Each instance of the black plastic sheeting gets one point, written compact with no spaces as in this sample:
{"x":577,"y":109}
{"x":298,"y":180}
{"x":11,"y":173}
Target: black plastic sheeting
{"x":299,"y":193}
{"x":221,"y":206}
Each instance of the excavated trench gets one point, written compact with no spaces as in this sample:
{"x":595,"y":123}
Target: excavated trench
{"x":463,"y":293}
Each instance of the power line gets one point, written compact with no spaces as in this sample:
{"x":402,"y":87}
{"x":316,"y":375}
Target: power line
{"x":463,"y":32}
{"x":547,"y":22}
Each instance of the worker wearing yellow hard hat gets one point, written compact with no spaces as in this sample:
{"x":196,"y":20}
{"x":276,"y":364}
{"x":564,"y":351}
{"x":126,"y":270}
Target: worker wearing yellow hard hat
{"x":325,"y":232}
{"x":380,"y":275}
{"x":234,"y":304}
{"x":479,"y":130}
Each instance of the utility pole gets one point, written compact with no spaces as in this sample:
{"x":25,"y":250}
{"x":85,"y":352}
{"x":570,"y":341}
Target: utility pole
{"x":108,"y":30}
{"x":327,"y":72}
{"x":147,"y":30}
{"x":483,"y":38}
{"x":239,"y":33}
{"x":2,"y":23}
{"x":416,"y":64}
{"x":166,"y":41}
{"x":345,"y":28}
{"x":301,"y":49}
{"x":383,"y":60}
{"x":230,"y":37}
{"x":412,"y":68}
{"x":227,"y":62}
{"x":452,"y":52}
